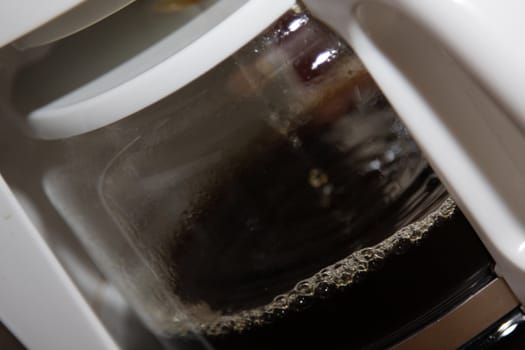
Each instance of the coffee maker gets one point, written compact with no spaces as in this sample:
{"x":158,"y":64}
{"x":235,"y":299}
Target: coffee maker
{"x":119,"y":118}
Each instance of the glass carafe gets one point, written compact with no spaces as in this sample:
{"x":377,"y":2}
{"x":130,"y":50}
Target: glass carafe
{"x":276,"y":177}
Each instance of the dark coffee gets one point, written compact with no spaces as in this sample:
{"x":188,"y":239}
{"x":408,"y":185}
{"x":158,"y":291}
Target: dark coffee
{"x":282,"y":215}
{"x":408,"y":291}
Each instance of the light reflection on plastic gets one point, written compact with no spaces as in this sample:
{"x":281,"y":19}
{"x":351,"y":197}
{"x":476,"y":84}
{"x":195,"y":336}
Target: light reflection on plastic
{"x":471,"y":6}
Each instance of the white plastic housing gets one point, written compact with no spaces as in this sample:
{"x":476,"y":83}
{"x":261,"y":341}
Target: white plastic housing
{"x":38,"y":301}
{"x":18,"y":17}
{"x":143,"y":79}
{"x":82,"y":16}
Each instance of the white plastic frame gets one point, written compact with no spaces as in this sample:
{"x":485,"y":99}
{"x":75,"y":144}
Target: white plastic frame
{"x":38,"y":301}
{"x":82,"y":16}
{"x":74,"y":113}
{"x":18,"y":17}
